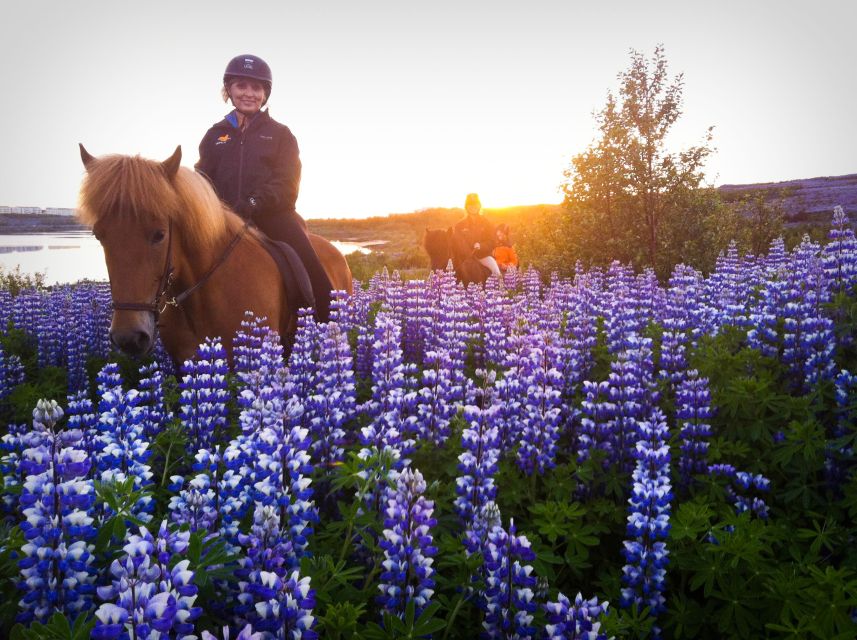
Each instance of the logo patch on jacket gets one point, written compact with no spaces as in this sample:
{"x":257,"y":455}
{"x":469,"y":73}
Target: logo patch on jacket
{"x":266,"y":137}
{"x":223,"y":139}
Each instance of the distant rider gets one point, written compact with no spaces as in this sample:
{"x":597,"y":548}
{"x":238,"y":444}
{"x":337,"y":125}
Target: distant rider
{"x":479,"y":233}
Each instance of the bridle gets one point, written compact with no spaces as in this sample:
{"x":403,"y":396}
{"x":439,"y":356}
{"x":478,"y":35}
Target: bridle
{"x":162,"y":301}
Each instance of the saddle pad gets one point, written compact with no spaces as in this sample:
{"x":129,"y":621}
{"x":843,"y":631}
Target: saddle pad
{"x":295,"y":277}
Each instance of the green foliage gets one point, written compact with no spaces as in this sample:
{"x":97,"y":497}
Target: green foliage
{"x":120,"y":497}
{"x":13,"y":280}
{"x":57,"y":628}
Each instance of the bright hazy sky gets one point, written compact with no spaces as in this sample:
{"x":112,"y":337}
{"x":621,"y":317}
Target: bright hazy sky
{"x":402,"y":105}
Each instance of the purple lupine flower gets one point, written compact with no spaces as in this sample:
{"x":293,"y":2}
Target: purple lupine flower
{"x":597,"y":414}
{"x":622,"y":315}
{"x":645,"y":551}
{"x":631,"y":381}
{"x":741,"y":486}
{"x":204,"y":394}
{"x":407,"y":545}
{"x":286,"y":611}
{"x":434,"y":408}
{"x":575,"y":621}
{"x":146,"y":596}
{"x":839,"y":255}
{"x":81,"y":414}
{"x":681,"y":325}
{"x":509,"y":604}
{"x":836,"y":463}
{"x":12,"y":445}
{"x":693,"y":413}
{"x":477,"y":463}
{"x":246,"y":633}
{"x":542,"y":381}
{"x":247,"y":346}
{"x":11,"y":373}
{"x":333,"y":402}
{"x":194,"y":505}
{"x":303,"y":360}
{"x":123,"y":451}
{"x":155,"y":412}
{"x":391,"y":406}
{"x":56,"y":502}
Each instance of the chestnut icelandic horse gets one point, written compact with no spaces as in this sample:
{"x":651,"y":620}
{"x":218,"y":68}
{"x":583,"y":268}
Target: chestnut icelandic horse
{"x":443,"y":245}
{"x":179,"y":260}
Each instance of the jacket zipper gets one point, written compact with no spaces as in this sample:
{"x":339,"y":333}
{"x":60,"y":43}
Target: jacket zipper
{"x":240,"y":168}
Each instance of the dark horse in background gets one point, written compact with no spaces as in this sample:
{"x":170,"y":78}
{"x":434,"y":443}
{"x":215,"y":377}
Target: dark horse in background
{"x":179,"y":261}
{"x":443,"y":245}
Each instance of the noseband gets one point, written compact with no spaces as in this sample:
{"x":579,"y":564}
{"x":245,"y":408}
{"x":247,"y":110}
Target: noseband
{"x":162,"y":301}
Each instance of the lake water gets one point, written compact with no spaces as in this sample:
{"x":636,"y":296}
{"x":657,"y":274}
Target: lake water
{"x":77,"y":255}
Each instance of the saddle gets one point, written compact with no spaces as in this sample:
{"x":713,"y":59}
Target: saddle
{"x":292,"y":271}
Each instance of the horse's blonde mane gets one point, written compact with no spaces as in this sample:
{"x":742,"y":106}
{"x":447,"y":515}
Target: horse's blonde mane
{"x":133,"y":186}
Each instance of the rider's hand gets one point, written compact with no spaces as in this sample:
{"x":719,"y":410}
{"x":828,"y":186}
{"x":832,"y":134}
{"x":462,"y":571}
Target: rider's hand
{"x":247,"y":208}
{"x":476,"y":246}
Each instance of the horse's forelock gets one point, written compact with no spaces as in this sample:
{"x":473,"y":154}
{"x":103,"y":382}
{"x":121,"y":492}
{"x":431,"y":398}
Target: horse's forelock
{"x":138,"y":188}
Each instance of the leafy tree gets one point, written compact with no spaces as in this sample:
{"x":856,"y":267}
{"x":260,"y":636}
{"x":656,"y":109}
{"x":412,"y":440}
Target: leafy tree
{"x":628,"y":189}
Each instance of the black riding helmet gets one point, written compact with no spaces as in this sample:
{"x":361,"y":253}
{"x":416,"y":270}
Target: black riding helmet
{"x":249,"y":66}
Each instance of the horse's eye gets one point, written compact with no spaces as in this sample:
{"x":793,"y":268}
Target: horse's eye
{"x":158,"y":236}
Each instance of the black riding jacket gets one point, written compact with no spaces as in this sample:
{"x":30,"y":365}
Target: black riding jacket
{"x":255,"y":171}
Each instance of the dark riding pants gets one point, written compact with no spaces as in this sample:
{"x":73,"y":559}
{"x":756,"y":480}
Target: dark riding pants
{"x":289,"y":228}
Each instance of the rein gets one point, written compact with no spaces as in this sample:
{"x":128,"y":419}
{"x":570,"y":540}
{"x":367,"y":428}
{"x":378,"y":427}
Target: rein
{"x":160,"y":303}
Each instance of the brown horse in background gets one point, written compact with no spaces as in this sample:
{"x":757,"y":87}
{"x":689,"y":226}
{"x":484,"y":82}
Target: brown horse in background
{"x":443,"y":245}
{"x":179,"y":260}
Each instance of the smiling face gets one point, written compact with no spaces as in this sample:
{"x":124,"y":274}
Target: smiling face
{"x":247,"y":95}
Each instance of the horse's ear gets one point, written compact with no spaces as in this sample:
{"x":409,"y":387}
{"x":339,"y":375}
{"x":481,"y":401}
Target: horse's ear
{"x":171,"y":164}
{"x":87,"y":157}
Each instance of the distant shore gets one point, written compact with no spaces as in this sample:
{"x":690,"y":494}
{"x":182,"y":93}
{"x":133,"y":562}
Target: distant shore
{"x":24,"y":223}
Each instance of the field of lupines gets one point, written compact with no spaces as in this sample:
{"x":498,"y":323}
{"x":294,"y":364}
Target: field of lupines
{"x":448,"y":463}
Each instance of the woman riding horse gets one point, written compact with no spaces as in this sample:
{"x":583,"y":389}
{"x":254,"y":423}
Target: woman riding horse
{"x":253,"y":163}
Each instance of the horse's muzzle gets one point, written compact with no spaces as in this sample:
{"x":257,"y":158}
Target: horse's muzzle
{"x":131,"y":342}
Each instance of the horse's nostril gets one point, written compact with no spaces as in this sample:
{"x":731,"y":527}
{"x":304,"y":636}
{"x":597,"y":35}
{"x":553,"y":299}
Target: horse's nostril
{"x":134,"y":343}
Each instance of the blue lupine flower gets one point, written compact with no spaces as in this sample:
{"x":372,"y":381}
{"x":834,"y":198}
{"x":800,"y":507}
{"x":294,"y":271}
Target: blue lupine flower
{"x":597,"y":414}
{"x":837,"y":460}
{"x":303,"y":360}
{"x":840,"y":254}
{"x":286,"y":611}
{"x":434,"y":408}
{"x":577,"y":621}
{"x":630,"y":392}
{"x":542,"y":381}
{"x":681,"y":327}
{"x":273,"y":597}
{"x":693,"y":413}
{"x":740,"y":483}
{"x":56,"y":502}
{"x":12,"y":445}
{"x":123,"y":451}
{"x":11,"y":373}
{"x":407,"y":545}
{"x":477,"y":464}
{"x":204,"y":394}
{"x":393,"y":398}
{"x":509,"y":604}
{"x":81,"y":415}
{"x":147,"y":596}
{"x":246,"y":633}
{"x":333,"y":402}
{"x":648,"y":523}
{"x":155,"y":412}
